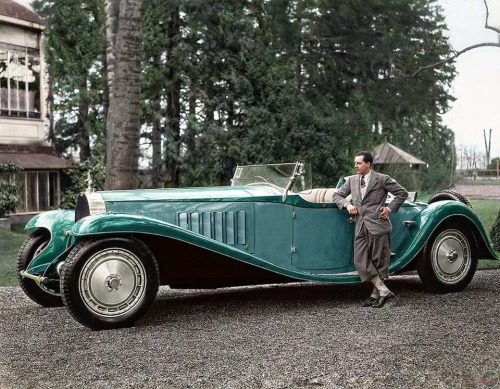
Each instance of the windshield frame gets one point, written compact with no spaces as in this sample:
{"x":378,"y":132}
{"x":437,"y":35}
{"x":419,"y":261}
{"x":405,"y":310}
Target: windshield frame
{"x":294,"y":175}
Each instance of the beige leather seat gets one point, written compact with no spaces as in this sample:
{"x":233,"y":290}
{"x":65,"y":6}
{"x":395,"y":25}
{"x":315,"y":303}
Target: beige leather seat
{"x":324,"y":195}
{"x":318,"y":195}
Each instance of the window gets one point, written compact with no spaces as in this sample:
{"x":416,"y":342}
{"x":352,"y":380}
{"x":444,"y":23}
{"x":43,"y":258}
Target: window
{"x":40,"y":190}
{"x":19,"y":83}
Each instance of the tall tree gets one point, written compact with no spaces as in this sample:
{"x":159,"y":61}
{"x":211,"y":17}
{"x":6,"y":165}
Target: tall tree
{"x":74,"y":36}
{"x":123,"y":32}
{"x":173,"y":88}
{"x":252,"y":81}
{"x":153,"y":84}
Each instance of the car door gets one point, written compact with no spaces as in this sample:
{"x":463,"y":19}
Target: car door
{"x":322,"y":239}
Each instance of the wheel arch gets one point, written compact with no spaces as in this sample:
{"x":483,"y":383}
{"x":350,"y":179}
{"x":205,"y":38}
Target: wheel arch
{"x":475,"y":231}
{"x":432,"y":220}
{"x":456,"y":239}
{"x":452,"y":213}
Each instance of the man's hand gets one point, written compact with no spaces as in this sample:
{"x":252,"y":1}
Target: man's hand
{"x":384,"y":214}
{"x":352,"y":209}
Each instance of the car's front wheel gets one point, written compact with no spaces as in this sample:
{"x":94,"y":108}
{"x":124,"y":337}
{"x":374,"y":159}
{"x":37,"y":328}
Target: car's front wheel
{"x":109,"y":283}
{"x":47,"y":295}
{"x":448,"y":260}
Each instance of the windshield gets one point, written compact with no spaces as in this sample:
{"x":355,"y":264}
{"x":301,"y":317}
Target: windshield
{"x":275,"y":174}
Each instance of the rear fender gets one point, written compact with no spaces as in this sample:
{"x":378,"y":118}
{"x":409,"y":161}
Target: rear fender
{"x":433,"y":217}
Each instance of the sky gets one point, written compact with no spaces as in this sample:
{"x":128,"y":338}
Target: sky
{"x":477,"y":85}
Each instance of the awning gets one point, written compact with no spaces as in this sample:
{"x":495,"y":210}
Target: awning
{"x":30,"y":161}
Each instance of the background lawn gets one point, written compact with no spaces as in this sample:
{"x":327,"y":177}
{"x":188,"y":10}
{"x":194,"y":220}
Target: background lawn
{"x":487,"y":210}
{"x":11,"y":241}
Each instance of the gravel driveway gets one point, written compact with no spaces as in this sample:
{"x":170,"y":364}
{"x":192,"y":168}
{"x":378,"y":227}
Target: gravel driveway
{"x":300,"y":335}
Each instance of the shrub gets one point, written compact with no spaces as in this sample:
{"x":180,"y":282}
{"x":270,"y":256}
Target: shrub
{"x":9,"y":193}
{"x":495,"y":233}
{"x":78,"y":175}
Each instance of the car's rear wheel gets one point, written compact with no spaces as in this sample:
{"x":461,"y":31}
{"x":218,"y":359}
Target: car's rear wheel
{"x":109,"y":283}
{"x":46,"y":295}
{"x":448,"y":260}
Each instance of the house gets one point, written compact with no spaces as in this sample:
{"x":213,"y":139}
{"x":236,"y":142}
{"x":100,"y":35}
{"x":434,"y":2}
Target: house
{"x":399,"y":164}
{"x":23,"y":111}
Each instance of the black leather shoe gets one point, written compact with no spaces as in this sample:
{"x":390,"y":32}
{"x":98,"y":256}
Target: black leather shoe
{"x":369,"y":301}
{"x":382,"y":300}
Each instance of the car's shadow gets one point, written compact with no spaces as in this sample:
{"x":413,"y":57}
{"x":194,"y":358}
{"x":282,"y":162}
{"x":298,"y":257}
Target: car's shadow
{"x":173,"y":305}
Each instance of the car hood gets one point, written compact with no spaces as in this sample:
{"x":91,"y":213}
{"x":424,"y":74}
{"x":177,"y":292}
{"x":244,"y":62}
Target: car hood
{"x":94,"y":203}
{"x":213,"y":193}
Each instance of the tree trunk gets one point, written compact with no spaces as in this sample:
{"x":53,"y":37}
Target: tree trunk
{"x":50,"y":113}
{"x":173,"y":141}
{"x":82,"y":123}
{"x":157,"y":162}
{"x":123,"y":33}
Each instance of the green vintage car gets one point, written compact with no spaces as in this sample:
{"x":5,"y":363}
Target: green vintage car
{"x":106,"y":259}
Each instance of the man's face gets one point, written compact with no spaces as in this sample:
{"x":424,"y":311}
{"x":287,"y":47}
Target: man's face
{"x":361,"y":166}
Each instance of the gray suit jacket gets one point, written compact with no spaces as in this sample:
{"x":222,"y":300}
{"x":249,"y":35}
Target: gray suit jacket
{"x":375,"y":198}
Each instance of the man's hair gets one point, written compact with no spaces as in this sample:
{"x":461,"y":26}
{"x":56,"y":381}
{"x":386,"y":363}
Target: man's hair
{"x":367,"y":156}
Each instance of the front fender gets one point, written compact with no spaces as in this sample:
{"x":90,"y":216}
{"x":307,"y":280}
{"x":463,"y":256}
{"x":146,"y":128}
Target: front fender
{"x":112,"y":224}
{"x":435,"y":215}
{"x":57,"y":223}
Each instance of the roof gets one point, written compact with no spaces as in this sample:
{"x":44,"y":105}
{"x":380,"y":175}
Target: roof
{"x":11,"y":11}
{"x":388,"y":153}
{"x":35,"y":161}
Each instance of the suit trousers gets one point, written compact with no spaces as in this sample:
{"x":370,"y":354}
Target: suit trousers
{"x":372,"y":254}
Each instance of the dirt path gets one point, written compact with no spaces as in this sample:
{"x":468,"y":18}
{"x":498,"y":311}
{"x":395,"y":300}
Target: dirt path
{"x":480,"y":191}
{"x":302,"y":335}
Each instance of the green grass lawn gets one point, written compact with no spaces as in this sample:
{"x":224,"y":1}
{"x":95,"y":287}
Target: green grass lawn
{"x":10,"y":241}
{"x":487,"y":210}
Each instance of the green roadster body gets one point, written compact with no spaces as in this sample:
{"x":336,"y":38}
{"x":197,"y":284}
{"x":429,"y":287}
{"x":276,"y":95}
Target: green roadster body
{"x":106,"y":259}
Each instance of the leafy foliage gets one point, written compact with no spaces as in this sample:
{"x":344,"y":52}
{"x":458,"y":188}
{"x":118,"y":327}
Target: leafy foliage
{"x":79,"y":175}
{"x":9,"y":193}
{"x":75,"y":46}
{"x":495,"y":233}
{"x":243,"y":82}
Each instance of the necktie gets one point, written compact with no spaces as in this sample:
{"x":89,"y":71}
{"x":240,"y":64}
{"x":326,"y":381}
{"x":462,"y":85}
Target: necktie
{"x":362,"y":181}
{"x":363,"y":187}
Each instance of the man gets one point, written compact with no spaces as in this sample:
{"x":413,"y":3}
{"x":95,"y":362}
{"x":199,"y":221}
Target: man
{"x":372,"y":249}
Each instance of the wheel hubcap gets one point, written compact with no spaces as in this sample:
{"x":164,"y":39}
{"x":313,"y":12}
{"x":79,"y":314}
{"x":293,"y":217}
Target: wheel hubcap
{"x":451,"y":256}
{"x":112,"y":282}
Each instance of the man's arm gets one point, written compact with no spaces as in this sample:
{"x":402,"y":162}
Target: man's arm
{"x":339,"y":197}
{"x":400,"y":194}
